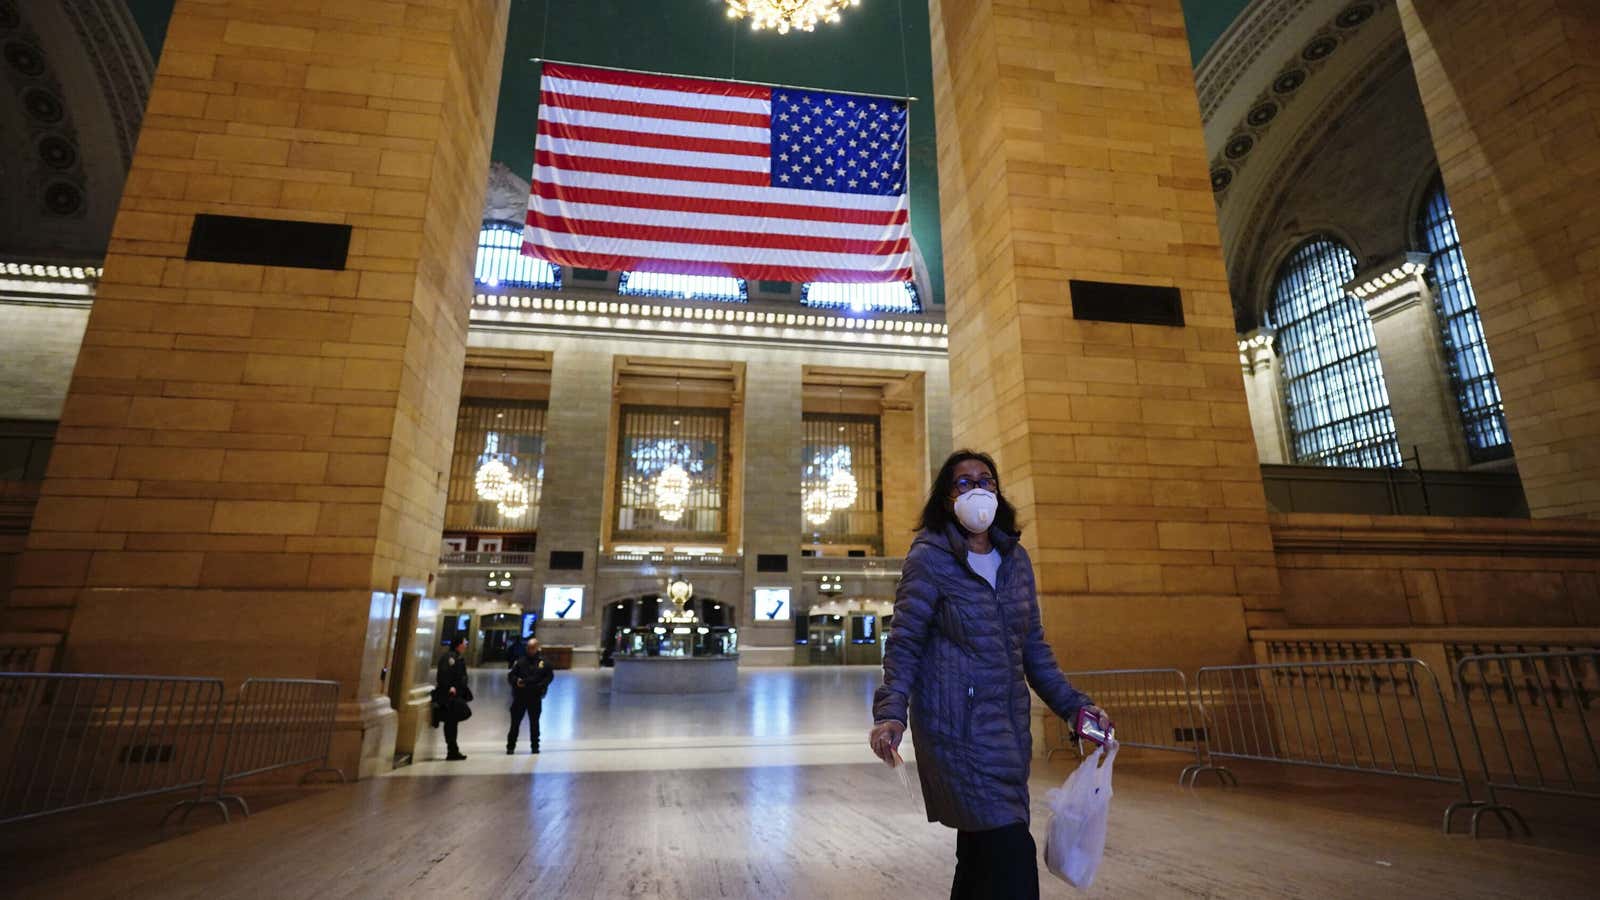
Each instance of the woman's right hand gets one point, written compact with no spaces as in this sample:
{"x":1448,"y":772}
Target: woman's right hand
{"x":884,"y":739}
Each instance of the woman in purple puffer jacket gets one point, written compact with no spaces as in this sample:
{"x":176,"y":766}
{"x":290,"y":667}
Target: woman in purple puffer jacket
{"x":966,"y":644}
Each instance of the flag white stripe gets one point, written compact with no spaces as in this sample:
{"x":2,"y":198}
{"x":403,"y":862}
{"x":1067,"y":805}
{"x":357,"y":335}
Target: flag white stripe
{"x":655,"y":155}
{"x":685,"y":99}
{"x":716,"y":253}
{"x":712,"y":191}
{"x":650,"y":125}
{"x":633,"y":215}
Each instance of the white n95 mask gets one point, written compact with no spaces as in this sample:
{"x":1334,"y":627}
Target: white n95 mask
{"x":976,"y":509}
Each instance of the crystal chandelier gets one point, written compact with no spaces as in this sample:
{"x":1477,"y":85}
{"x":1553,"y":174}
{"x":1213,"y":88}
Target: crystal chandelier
{"x":841,"y":489}
{"x":514,"y":500}
{"x":800,"y":15}
{"x":492,"y":480}
{"x":817,"y":508}
{"x":672,"y":492}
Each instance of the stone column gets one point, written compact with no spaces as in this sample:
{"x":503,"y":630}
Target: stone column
{"x":1411,"y":354}
{"x":905,"y":462}
{"x":1263,"y":386}
{"x":1070,"y":147}
{"x":573,"y":506}
{"x":252,"y":457}
{"x":773,"y":435}
{"x":1512,"y":95}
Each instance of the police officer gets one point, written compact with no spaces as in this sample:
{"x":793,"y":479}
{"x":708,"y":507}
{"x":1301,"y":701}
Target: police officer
{"x":451,"y":694}
{"x":530,"y":678}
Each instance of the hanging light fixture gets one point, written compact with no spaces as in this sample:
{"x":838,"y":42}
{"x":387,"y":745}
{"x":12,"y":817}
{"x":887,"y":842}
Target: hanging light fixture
{"x":672,"y":492}
{"x":842,"y":488}
{"x":787,"y":15}
{"x":817,"y":508}
{"x":514,"y":500}
{"x":492,"y":480}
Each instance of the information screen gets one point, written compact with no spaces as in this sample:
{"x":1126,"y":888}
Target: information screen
{"x":772,"y":604}
{"x":563,"y":602}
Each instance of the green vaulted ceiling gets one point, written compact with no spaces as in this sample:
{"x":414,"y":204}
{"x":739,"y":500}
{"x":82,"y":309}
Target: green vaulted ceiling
{"x":880,"y":47}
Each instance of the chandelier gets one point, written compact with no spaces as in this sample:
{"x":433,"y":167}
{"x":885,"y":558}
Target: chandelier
{"x":672,"y":492}
{"x":800,"y":15}
{"x":514,"y":500}
{"x":492,"y":480}
{"x":817,"y":508}
{"x":841,"y":489}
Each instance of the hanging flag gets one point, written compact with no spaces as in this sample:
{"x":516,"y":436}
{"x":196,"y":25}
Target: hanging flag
{"x":656,"y":173}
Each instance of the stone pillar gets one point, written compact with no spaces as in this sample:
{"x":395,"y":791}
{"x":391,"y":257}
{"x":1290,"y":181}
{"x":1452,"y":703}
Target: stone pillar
{"x":773,"y":435}
{"x":573,"y":506}
{"x":1070,"y":147}
{"x":1512,"y":95}
{"x":252,"y":458}
{"x":904,"y":463}
{"x":1263,"y":387}
{"x":1411,"y":354}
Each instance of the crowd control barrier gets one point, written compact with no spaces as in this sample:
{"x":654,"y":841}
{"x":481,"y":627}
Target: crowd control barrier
{"x":1534,"y":719}
{"x":277,"y":723}
{"x":69,"y":742}
{"x":1153,"y":709}
{"x":1378,"y":717}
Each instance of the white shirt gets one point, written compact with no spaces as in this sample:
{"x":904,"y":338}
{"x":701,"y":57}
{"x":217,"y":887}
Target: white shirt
{"x":985,"y":564}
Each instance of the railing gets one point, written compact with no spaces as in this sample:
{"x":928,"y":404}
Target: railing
{"x":885,"y":566}
{"x":1154,"y":710}
{"x":1381,"y":717}
{"x":76,"y":741}
{"x":461,"y":558}
{"x":277,"y":723}
{"x":635,"y":559}
{"x":1540,"y":728}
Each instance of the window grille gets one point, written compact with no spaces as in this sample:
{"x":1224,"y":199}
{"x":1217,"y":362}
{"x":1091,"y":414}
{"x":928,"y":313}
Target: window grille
{"x":683,"y":287}
{"x":1471,"y":370}
{"x":510,"y":432}
{"x":835,"y":442}
{"x":501,"y":263}
{"x":894,"y":296}
{"x":648,"y":442}
{"x":1338,"y":405}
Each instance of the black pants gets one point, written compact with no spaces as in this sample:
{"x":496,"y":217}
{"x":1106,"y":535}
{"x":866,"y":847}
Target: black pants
{"x":1001,"y":864}
{"x":450,"y":724}
{"x":530,"y":708}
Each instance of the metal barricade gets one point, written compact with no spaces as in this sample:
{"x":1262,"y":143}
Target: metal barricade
{"x":277,"y":723}
{"x":70,"y":742}
{"x":1539,"y":735}
{"x":1153,"y":709}
{"x":1379,"y":717}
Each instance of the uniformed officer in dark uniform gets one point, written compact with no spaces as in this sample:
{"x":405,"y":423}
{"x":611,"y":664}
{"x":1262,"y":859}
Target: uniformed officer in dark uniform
{"x":451,"y":694}
{"x":530,"y":678}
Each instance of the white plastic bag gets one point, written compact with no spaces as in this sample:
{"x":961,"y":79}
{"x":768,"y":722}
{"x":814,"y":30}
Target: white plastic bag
{"x":1078,"y":812}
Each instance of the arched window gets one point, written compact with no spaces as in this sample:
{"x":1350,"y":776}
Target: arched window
{"x":892,"y":296}
{"x":1338,"y":405}
{"x":501,"y":263}
{"x":1471,"y":371}
{"x":683,"y":287}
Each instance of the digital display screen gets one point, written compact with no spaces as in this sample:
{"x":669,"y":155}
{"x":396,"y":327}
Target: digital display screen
{"x":529,"y":620}
{"x":772,"y":604}
{"x":863,"y":629}
{"x":563,"y":602}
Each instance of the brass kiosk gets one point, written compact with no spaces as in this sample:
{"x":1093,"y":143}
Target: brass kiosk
{"x":677,"y":655}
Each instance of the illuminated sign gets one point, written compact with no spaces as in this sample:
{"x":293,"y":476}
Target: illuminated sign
{"x":772,"y":604}
{"x":563,"y":602}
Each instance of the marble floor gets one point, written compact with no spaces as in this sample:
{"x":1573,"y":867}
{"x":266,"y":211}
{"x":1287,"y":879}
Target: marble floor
{"x":770,"y":793}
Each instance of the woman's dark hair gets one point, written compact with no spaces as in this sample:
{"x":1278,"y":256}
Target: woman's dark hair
{"x":937,"y":513}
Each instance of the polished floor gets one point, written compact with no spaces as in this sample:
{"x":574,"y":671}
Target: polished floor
{"x":770,"y":793}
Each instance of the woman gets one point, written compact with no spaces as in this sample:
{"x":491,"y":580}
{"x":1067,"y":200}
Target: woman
{"x":965,"y":646}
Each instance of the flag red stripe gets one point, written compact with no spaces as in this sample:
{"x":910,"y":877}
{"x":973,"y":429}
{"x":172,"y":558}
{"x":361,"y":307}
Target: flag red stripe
{"x":673,"y":234}
{"x":658,"y":82}
{"x":754,"y":209}
{"x":647,"y":139}
{"x":655,"y":110}
{"x":649,"y":170}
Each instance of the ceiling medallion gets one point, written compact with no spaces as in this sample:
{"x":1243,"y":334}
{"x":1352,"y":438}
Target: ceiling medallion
{"x":786,"y":15}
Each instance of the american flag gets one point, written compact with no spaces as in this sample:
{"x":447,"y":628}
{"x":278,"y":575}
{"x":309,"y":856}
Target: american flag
{"x":656,"y":173}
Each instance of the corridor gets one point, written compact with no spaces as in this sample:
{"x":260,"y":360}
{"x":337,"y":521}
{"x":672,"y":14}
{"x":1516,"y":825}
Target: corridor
{"x":770,"y":792}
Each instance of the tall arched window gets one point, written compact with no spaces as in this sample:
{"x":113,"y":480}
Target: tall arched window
{"x":1471,"y":371}
{"x":1333,"y":385}
{"x":501,"y":263}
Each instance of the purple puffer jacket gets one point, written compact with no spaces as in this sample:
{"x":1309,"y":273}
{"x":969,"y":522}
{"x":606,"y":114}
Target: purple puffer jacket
{"x":958,"y":654}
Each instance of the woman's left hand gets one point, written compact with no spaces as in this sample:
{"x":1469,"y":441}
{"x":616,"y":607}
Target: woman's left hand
{"x":1101,"y":716}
